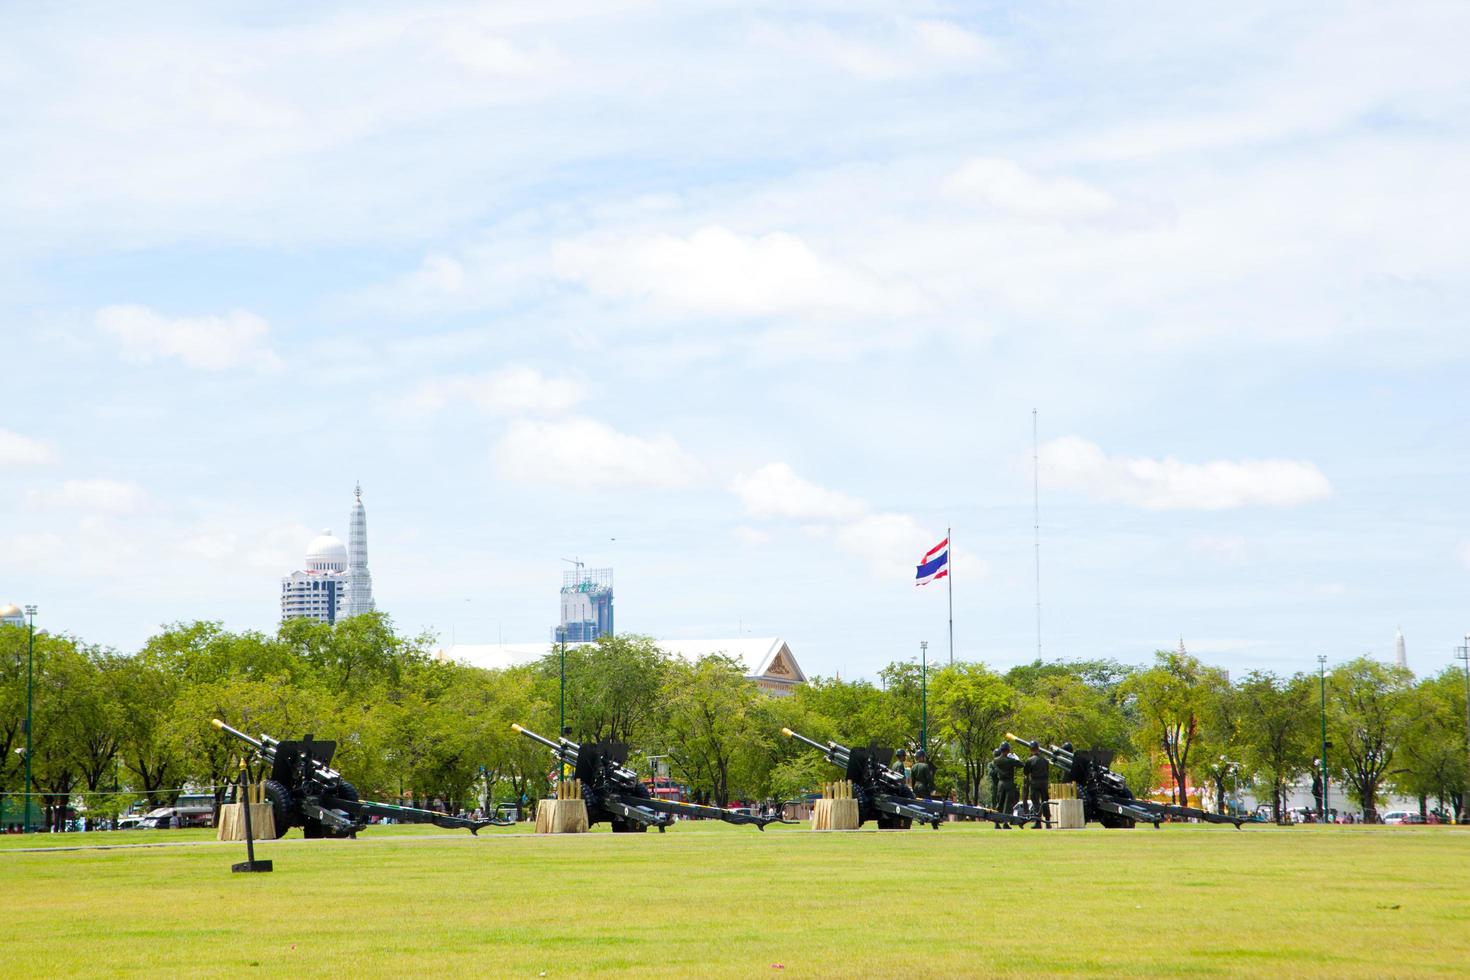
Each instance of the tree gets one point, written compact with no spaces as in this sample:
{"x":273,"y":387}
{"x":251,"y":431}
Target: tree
{"x":1219,"y":730}
{"x":613,"y":686}
{"x":1433,"y":756}
{"x":1171,"y":698}
{"x":1367,"y":717}
{"x":1276,"y":731}
{"x":972,"y":707}
{"x":147,"y":693}
{"x":709,"y":724}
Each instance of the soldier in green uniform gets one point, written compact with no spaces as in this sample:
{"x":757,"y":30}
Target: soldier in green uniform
{"x":1006,"y":764}
{"x":1038,"y":785}
{"x":993,"y":775}
{"x":923,"y":776}
{"x":899,"y":758}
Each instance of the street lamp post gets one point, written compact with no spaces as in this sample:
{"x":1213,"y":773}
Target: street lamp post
{"x":1463,"y":653}
{"x":25,"y":797}
{"x":924,"y":697}
{"x":1322,"y":681}
{"x":561,"y":725}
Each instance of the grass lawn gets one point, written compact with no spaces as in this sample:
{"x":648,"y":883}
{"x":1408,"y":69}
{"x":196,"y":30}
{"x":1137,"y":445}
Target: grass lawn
{"x":708,"y":899}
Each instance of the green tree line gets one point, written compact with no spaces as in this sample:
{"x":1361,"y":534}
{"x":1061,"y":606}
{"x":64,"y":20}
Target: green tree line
{"x":112,"y":729}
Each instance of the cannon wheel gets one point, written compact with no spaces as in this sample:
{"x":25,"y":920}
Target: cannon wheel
{"x":279,"y":797}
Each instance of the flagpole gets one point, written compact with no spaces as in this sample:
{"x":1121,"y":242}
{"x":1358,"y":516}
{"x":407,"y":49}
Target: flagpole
{"x":949,"y":536}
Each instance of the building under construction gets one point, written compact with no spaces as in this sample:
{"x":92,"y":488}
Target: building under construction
{"x":586,"y":605}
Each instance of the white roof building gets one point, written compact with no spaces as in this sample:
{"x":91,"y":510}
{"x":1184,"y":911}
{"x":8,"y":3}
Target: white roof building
{"x":767,"y":660}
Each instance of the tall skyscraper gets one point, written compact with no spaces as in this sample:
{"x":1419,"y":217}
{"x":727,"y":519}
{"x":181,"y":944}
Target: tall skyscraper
{"x":586,"y":605}
{"x":335,"y":582}
{"x":318,"y":591}
{"x":359,"y":579}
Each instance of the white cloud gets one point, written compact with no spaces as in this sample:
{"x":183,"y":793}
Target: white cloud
{"x":209,"y":343}
{"x":19,"y":450}
{"x":775,"y":490}
{"x":1464,"y":553}
{"x":275,"y":548}
{"x":588,"y":454}
{"x":438,"y":274}
{"x":512,"y":390}
{"x":1223,"y":547}
{"x":886,"y":542}
{"x":97,"y":496}
{"x":1005,"y":186}
{"x":896,"y":49}
{"x":751,"y":536}
{"x":718,"y":272}
{"x":1073,"y":463}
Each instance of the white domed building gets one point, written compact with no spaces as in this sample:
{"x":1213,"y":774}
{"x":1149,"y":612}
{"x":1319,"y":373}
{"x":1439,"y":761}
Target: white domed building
{"x":319,"y":590}
{"x":12,"y":615}
{"x":334,"y":582}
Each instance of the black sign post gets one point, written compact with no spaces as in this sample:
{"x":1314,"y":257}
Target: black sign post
{"x":242,"y":796}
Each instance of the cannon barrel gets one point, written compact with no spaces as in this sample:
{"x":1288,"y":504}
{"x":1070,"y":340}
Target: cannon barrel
{"x":809,"y":741}
{"x":553,"y":746}
{"x":255,"y":743}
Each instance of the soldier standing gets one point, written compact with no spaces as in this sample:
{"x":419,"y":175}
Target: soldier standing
{"x":923,"y":776}
{"x":1038,"y":788}
{"x":898,"y":763}
{"x":1006,"y":764}
{"x":993,"y":775}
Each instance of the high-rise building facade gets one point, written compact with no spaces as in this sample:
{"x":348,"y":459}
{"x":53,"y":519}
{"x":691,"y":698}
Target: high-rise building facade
{"x":319,"y":590}
{"x":586,"y":605}
{"x":359,"y":579}
{"x":334,"y":582}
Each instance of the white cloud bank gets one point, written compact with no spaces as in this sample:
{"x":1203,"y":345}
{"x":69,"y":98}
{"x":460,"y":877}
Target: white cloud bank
{"x":775,"y":491}
{"x":719,"y":272}
{"x":889,"y":543}
{"x":1005,"y":186}
{"x":95,"y":496}
{"x":19,"y":450}
{"x":209,"y":343}
{"x":510,"y":391}
{"x":588,"y":454}
{"x":900,"y":48}
{"x":1073,"y":463}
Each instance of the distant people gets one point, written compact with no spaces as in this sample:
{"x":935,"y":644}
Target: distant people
{"x":1038,"y":784}
{"x":1006,"y":764}
{"x":923,"y":776}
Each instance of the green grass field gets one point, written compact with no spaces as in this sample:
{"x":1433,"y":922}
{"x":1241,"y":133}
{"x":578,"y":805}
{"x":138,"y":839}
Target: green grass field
{"x":730,"y":901}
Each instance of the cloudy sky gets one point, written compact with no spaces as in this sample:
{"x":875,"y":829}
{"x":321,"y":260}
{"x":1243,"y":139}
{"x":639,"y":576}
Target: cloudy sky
{"x":748,"y":301}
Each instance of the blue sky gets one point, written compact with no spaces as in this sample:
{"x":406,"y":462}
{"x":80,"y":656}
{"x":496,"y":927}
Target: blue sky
{"x":749,"y":302}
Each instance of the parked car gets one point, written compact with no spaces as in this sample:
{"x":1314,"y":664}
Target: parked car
{"x":1402,"y":817}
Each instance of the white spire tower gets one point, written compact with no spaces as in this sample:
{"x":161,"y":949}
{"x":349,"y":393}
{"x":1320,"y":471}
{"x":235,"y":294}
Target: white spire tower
{"x":1400,"y":654}
{"x":359,"y":579}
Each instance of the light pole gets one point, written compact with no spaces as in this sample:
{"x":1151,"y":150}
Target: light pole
{"x":25,"y":797}
{"x":1322,"y":681}
{"x":561,"y":725}
{"x":1463,"y":653}
{"x":924,"y":697}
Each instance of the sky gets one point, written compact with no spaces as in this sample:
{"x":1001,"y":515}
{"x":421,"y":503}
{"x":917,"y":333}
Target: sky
{"x":749,"y":302}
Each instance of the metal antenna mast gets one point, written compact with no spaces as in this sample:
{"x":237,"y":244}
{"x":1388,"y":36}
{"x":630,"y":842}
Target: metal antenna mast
{"x":1036,"y":522}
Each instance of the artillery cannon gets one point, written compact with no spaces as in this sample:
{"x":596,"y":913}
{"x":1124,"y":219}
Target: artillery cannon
{"x":304,"y":791}
{"x":1105,"y":795}
{"x":885,"y":798}
{"x":615,"y":794}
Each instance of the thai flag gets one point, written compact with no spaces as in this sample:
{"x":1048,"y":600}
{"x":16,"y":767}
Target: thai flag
{"x":934,"y":565}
